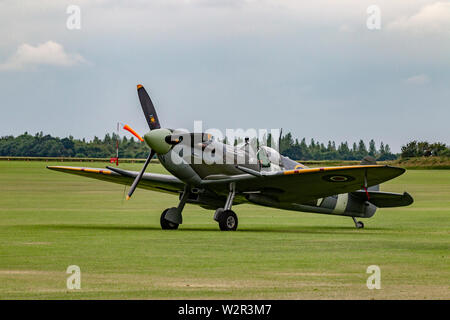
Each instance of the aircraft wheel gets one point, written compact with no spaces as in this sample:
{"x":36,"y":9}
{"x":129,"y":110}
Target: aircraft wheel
{"x":360,"y":225}
{"x":228,"y":221}
{"x":166,"y":224}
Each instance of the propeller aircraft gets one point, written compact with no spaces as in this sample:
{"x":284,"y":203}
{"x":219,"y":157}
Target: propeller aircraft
{"x":271,"y":180}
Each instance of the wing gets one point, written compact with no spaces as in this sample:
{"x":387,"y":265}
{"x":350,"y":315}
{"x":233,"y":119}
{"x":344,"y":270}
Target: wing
{"x":313,"y":183}
{"x":150,"y":181}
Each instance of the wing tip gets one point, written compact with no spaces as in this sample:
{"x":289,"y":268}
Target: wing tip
{"x":62,"y":168}
{"x":53,"y":167}
{"x":398,"y":169}
{"x":408,"y":198}
{"x":80,"y":169}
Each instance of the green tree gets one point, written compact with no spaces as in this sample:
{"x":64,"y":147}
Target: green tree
{"x":372,"y":149}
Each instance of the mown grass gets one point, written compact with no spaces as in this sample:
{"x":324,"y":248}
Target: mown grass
{"x":50,"y":220}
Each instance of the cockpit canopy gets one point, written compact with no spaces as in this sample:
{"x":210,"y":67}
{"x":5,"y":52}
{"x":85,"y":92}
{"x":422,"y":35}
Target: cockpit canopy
{"x":267,"y":155}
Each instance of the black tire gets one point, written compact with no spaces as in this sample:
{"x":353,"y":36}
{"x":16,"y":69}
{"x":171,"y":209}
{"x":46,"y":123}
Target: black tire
{"x":360,"y":225}
{"x":165,"y":224}
{"x":228,"y":221}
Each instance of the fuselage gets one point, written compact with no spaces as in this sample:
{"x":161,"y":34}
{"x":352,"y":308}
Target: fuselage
{"x":206,"y":159}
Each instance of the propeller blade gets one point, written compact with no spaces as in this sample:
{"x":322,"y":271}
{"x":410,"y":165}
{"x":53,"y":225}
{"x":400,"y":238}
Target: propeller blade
{"x":134,"y":133}
{"x":148,"y":108}
{"x":279,"y":140}
{"x":139,"y":176}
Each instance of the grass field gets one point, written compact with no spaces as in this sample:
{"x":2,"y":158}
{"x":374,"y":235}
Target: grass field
{"x":50,"y":220}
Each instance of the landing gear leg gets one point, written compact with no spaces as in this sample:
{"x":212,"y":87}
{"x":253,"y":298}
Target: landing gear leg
{"x":172,"y":217}
{"x":358,"y":224}
{"x":228,"y":220}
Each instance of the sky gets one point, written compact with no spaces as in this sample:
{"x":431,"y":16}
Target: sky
{"x":312,"y":68}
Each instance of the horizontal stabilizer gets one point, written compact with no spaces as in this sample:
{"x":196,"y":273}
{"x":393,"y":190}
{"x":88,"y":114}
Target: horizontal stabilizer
{"x":384,"y":199}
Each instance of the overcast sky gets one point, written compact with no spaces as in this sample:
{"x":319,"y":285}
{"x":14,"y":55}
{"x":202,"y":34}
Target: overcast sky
{"x":312,"y":68}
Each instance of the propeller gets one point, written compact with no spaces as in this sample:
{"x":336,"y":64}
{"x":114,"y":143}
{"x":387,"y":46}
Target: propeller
{"x":155,"y":139}
{"x":148,"y":108}
{"x":134,"y":133}
{"x":139,"y":176}
{"x":279,"y":140}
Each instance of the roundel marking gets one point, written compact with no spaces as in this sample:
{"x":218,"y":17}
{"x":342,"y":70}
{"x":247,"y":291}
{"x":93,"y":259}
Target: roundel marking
{"x":337,"y":178}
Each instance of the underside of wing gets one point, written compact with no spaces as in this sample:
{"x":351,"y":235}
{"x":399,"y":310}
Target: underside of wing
{"x":150,"y":181}
{"x":308,"y":184}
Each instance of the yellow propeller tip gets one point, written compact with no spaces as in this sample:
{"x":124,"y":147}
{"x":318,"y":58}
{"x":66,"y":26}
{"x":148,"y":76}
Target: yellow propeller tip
{"x":128,"y":197}
{"x":139,"y":86}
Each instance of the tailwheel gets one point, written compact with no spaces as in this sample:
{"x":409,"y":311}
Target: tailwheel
{"x":166,"y":224}
{"x":358,"y":224}
{"x":228,"y":220}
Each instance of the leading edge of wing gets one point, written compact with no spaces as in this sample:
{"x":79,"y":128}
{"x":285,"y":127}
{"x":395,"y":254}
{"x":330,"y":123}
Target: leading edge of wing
{"x":117,"y":172}
{"x":395,"y":172}
{"x":365,"y":175}
{"x":314,"y":183}
{"x":75,"y":170}
{"x":151,"y":181}
{"x":322,"y":169}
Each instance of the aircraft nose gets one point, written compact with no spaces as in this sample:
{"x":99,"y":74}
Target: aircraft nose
{"x":155,"y":139}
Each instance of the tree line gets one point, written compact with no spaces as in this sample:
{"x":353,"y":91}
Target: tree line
{"x":40,"y":145}
{"x":300,"y":150}
{"x":425,"y":149}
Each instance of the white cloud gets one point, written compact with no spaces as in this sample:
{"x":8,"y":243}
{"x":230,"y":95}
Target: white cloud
{"x":418,"y":80}
{"x":433,"y":18}
{"x":49,"y":53}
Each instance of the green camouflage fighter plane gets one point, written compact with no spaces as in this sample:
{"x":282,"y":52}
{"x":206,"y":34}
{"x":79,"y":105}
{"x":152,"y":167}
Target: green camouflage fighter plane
{"x":264,"y":178}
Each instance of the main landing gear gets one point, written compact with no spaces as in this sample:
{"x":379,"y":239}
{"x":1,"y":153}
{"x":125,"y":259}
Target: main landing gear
{"x":358,"y":224}
{"x":166,"y":224}
{"x":171,"y":218}
{"x":227,"y":219}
